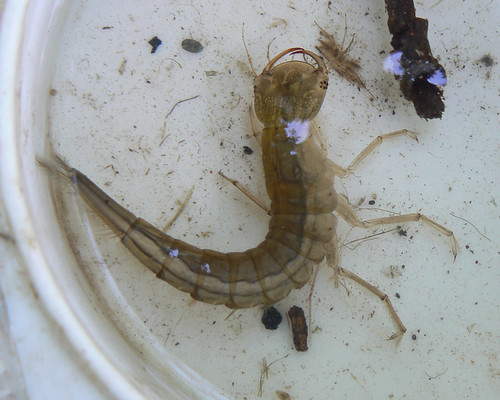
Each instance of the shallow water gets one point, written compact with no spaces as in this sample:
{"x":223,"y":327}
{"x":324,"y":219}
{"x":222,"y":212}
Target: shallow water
{"x":115,"y":115}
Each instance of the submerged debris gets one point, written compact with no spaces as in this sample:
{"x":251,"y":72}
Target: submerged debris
{"x":283,"y":395}
{"x":264,"y":372}
{"x":271,"y":318}
{"x":487,"y":60}
{"x":420,"y":74}
{"x":247,"y":150}
{"x":155,"y":43}
{"x":337,"y":58}
{"x":299,"y":328}
{"x":192,"y":45}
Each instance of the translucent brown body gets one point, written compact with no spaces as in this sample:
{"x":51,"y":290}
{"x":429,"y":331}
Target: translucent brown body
{"x":299,"y":184}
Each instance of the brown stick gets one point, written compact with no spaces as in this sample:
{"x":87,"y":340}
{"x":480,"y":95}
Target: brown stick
{"x":420,"y":74}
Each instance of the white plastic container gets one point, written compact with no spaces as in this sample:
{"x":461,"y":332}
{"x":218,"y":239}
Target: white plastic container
{"x":80,"y":78}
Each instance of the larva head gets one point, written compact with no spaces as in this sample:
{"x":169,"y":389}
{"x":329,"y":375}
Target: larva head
{"x":290,"y":91}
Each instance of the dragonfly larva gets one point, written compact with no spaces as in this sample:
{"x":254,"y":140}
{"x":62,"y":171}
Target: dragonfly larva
{"x":299,"y":182}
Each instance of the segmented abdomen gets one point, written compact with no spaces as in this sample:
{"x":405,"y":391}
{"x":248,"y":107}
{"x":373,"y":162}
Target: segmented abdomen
{"x":302,"y":199}
{"x":261,"y":275}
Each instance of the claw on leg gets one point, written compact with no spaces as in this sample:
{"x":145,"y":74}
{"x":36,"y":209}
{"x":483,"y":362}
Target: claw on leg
{"x":382,"y":296}
{"x":332,"y":261}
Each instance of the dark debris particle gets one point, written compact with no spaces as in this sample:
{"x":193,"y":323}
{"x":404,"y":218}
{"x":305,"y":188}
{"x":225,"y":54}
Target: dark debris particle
{"x":487,"y":60}
{"x":247,"y":150}
{"x":299,"y":328}
{"x":401,"y":231}
{"x":420,"y":74}
{"x":414,"y":337}
{"x":155,"y":43}
{"x":371,"y":202}
{"x":271,"y":318}
{"x":192,"y":45}
{"x":398,"y":296}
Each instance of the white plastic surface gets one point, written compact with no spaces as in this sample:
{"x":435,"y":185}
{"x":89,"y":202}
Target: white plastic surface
{"x":91,"y":83}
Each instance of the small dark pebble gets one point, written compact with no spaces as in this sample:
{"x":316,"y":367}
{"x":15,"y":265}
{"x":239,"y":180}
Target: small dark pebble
{"x":155,"y":43}
{"x":271,"y":318}
{"x":247,"y":150}
{"x":414,"y":337}
{"x":371,"y":202}
{"x":398,"y":296}
{"x":191,"y":45}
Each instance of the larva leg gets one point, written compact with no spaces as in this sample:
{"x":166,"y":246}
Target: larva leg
{"x":332,"y":261}
{"x":396,"y":219}
{"x":246,"y":192}
{"x":345,"y":211}
{"x":332,"y":258}
{"x":343,"y":172}
{"x":382,"y":296}
{"x":253,"y":123}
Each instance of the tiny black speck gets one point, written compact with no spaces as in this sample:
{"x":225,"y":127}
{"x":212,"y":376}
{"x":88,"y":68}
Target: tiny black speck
{"x":371,"y":202}
{"x":247,"y":150}
{"x":401,"y":231}
{"x":414,"y":337}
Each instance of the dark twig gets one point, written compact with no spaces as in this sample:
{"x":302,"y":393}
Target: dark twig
{"x":420,"y":74}
{"x":299,"y":328}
